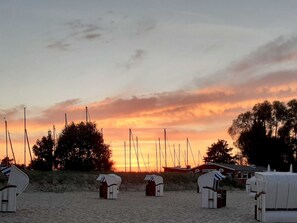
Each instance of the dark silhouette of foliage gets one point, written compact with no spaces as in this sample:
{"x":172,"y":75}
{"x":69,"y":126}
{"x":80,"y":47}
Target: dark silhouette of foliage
{"x":220,"y":153}
{"x":6,"y":161}
{"x":43,"y":151}
{"x":267,"y":134}
{"x":81,"y":147}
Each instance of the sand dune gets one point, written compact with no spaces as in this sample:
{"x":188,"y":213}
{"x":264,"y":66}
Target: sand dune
{"x":175,"y":206}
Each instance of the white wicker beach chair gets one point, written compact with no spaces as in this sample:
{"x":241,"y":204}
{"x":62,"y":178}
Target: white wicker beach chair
{"x":155,"y":186}
{"x":17,"y":183}
{"x":211,"y":195}
{"x":109,"y":187}
{"x":276,"y":198}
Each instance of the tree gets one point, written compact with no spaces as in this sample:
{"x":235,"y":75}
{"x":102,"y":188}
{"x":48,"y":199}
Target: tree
{"x":43,"y":151}
{"x":81,"y":147}
{"x":266,"y":135}
{"x":279,"y":115}
{"x":6,"y":161}
{"x":220,"y":153}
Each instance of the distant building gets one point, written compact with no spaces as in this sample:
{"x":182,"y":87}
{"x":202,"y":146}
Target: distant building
{"x":176,"y":169}
{"x":237,"y":172}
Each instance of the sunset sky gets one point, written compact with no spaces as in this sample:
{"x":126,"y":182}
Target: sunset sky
{"x":187,"y":66}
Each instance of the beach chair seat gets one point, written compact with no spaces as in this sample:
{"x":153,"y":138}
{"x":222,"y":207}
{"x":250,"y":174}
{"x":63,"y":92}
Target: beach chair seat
{"x":8,"y":198}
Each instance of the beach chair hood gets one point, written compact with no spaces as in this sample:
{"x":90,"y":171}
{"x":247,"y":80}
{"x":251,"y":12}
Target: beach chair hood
{"x":110,"y":179}
{"x":210,"y":179}
{"x":18,"y":178}
{"x":157,"y":179}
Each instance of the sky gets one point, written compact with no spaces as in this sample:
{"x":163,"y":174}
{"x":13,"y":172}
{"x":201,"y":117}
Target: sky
{"x":187,"y":66}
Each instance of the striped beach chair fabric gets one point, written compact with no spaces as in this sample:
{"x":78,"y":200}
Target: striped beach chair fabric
{"x":5,"y":170}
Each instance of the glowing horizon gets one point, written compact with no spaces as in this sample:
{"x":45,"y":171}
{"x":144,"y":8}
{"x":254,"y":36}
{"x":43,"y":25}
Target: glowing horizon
{"x":214,"y":122}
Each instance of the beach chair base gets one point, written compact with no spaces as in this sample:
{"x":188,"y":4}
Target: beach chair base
{"x":8,"y":198}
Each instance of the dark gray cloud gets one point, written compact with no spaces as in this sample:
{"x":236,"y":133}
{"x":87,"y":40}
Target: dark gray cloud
{"x":280,"y":50}
{"x":84,"y":30}
{"x":59,"y":45}
{"x":92,"y":36}
{"x":271,"y":59}
{"x":144,"y":26}
{"x":76,"y":30}
{"x":136,"y":58}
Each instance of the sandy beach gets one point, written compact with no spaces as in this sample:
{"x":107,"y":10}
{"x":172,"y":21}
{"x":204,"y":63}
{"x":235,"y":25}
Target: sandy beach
{"x":131,"y":206}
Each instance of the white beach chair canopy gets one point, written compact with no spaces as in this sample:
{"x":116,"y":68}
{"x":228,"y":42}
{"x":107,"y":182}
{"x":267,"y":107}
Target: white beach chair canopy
{"x":18,"y":178}
{"x":209,"y":179}
{"x":157,"y":179}
{"x":110,"y":179}
{"x":276,"y":196}
{"x":280,"y":189}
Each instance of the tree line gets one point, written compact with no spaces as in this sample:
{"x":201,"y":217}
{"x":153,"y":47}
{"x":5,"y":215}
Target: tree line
{"x":80,"y":147}
{"x":267,"y":134}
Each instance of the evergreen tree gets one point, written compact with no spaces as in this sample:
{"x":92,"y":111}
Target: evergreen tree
{"x":220,"y":153}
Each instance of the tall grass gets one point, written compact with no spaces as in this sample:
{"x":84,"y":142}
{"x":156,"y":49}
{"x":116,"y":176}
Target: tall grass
{"x":62,"y":181}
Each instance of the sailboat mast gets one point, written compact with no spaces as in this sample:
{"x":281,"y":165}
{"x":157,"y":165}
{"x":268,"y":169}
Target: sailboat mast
{"x":187,"y":161}
{"x":148,"y":162}
{"x":54,"y":147}
{"x":14,"y":160}
{"x":160,"y":154}
{"x":66,"y":123}
{"x":179,"y":155}
{"x":165,"y":148}
{"x":137,"y":157}
{"x":28,"y":145}
{"x":6,"y":143}
{"x":156,"y":156}
{"x":54,"y":137}
{"x":130,"y":156}
{"x":125,"y":156}
{"x":25,"y":138}
{"x":174,"y":154}
{"x":86,"y":114}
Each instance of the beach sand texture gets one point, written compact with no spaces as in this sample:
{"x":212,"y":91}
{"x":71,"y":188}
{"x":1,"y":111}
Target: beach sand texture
{"x":131,"y":206}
